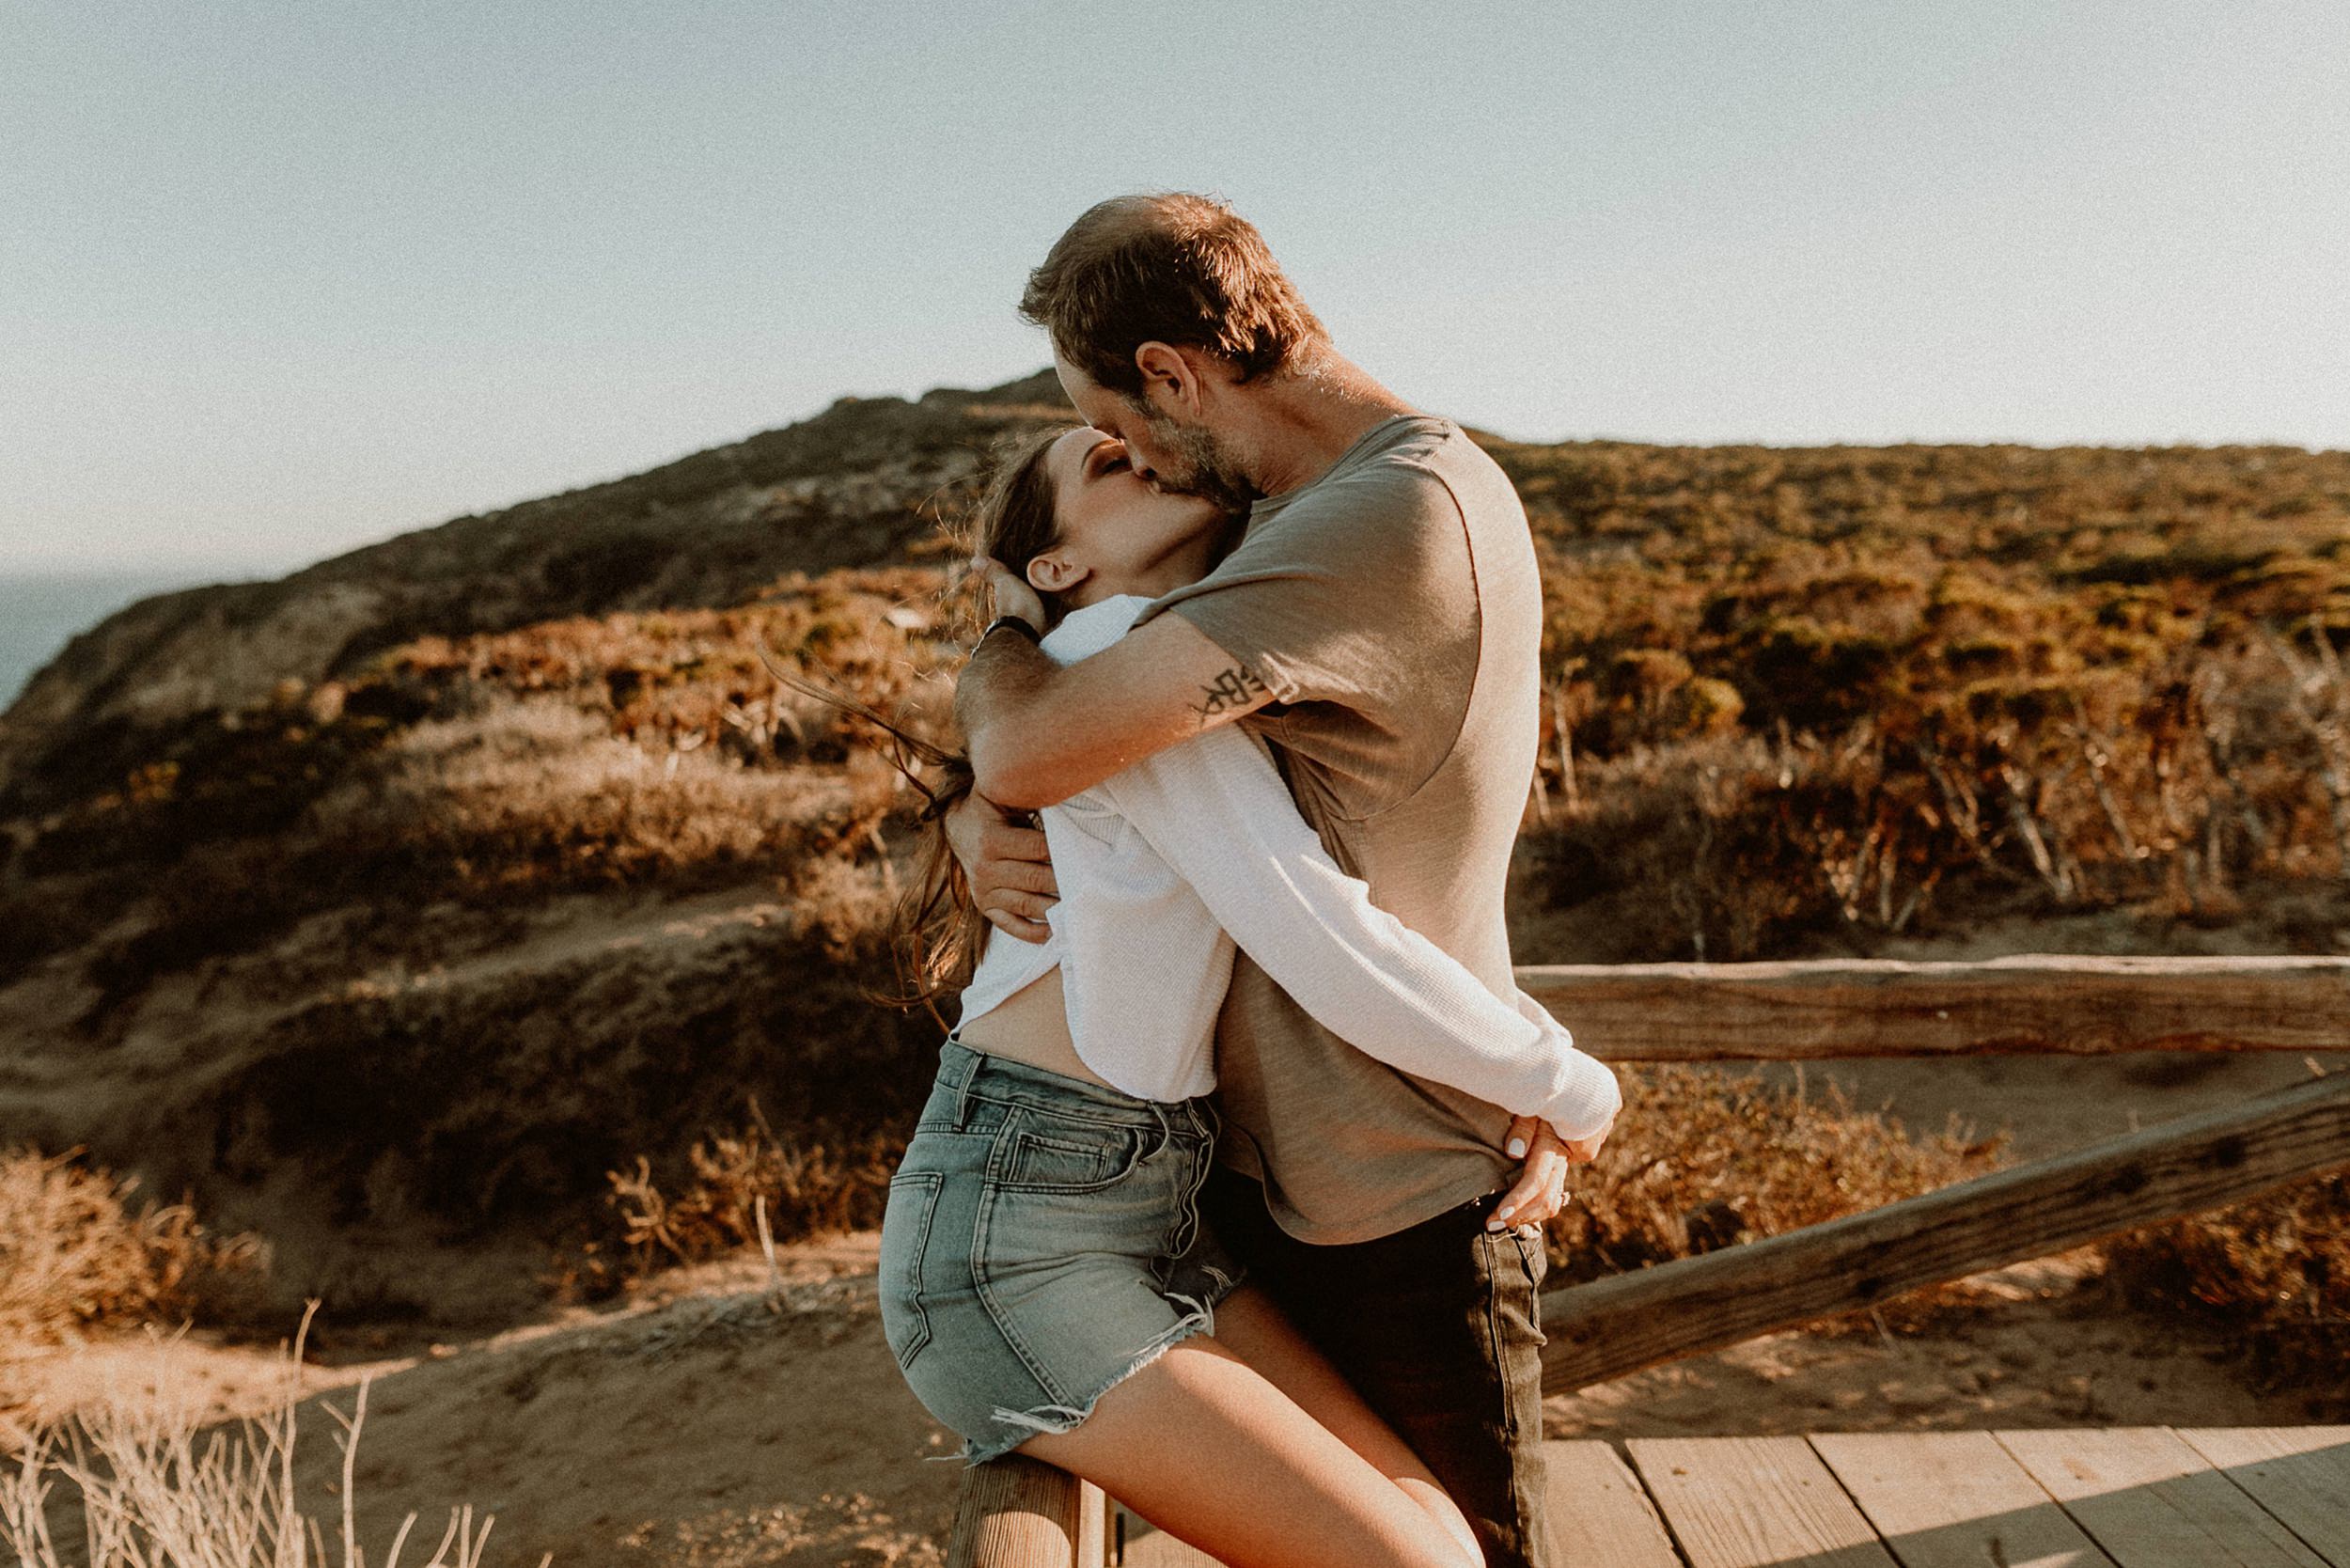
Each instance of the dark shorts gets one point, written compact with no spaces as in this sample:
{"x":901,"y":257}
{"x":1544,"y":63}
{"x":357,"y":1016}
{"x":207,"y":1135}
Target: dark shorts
{"x":1439,"y":1327}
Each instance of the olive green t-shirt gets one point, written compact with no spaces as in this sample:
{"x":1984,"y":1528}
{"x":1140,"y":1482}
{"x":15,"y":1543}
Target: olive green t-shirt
{"x":1393,"y":609}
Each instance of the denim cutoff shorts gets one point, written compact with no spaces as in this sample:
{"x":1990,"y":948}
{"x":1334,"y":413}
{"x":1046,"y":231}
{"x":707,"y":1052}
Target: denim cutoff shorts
{"x":1041,"y":1242}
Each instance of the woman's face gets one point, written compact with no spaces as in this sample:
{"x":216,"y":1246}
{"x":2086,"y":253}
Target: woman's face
{"x":1118,"y":535}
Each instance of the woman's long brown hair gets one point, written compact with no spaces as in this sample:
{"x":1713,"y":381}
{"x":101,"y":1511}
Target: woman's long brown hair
{"x":937,"y":931}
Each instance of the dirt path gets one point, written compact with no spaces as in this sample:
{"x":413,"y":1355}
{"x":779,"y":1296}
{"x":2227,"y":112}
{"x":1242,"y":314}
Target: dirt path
{"x":713,"y":1420}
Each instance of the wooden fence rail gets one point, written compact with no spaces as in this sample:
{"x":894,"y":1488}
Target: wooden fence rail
{"x":1622,"y":1323}
{"x":1018,"y":1513}
{"x":1815,"y":1010}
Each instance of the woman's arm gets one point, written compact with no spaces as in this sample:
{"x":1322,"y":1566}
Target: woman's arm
{"x":1218,"y":812}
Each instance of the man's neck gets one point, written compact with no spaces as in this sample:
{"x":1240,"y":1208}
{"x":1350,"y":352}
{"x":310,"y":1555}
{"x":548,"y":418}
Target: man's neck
{"x":1309,"y":418}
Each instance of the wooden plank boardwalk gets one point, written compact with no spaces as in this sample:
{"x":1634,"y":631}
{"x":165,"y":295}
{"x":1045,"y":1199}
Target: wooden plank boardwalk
{"x":2095,"y":1497}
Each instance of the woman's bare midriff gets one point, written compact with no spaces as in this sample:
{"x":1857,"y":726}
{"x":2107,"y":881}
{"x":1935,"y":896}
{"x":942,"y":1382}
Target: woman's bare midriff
{"x":1031,"y":1027}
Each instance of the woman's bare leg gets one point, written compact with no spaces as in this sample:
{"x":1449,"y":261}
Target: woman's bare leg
{"x":1248,"y":1323}
{"x":1205,"y":1447}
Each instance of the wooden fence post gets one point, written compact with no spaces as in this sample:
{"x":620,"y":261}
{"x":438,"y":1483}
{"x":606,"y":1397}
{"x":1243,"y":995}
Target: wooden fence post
{"x":1021,"y":1513}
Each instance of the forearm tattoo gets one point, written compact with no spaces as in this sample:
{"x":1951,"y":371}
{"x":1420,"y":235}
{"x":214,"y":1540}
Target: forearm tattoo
{"x":1237,"y":687}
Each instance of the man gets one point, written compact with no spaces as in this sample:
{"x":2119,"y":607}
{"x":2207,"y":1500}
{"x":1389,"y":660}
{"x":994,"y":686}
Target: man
{"x":1378,"y":625}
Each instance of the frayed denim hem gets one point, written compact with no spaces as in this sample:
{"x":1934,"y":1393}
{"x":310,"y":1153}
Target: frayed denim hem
{"x":1198,"y":1319}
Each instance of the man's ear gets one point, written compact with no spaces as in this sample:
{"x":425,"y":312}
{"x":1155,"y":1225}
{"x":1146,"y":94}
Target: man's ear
{"x":1171,"y":381}
{"x":1052,"y":573}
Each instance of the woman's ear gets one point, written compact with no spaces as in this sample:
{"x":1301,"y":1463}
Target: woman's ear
{"x":1053,"y":572}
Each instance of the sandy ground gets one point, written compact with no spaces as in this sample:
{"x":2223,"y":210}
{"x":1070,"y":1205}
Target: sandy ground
{"x":725,"y":1416}
{"x":717,"y":1418}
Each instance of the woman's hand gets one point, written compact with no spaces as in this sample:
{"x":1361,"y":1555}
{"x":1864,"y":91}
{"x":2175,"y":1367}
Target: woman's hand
{"x":1541,"y":1192}
{"x":1011,"y":595}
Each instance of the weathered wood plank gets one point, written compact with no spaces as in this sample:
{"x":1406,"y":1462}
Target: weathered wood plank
{"x":1599,"y":1515}
{"x":1611,"y":1326}
{"x":2150,"y":1501}
{"x":1813,"y":1009}
{"x":1755,"y":1502}
{"x":1955,"y":1499}
{"x":1599,"y":1518}
{"x":2301,"y":1474}
{"x":1018,"y":1512}
{"x":1092,"y":1544}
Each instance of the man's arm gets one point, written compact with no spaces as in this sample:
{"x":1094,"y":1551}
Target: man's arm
{"x":1040,"y":732}
{"x":1007,"y":863}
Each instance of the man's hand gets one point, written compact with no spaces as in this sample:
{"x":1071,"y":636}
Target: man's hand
{"x":1541,"y":1192}
{"x":1007,"y":863}
{"x":1008,"y":594}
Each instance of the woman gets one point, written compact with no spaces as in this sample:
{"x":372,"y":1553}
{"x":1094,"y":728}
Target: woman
{"x":1046,"y":1283}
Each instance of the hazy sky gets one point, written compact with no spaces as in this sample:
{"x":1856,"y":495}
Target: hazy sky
{"x":280,"y":279}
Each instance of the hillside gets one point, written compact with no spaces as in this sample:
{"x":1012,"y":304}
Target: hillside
{"x":859,"y":484}
{"x":390,"y":906}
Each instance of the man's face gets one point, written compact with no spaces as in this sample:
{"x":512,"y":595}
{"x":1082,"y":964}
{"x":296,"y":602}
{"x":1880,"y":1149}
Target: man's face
{"x":1176,"y":458}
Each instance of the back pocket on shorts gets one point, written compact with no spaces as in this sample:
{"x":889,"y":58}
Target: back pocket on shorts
{"x":905,"y":1237}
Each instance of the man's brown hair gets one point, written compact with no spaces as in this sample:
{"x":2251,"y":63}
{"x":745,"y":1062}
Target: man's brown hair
{"x":1170,"y":267}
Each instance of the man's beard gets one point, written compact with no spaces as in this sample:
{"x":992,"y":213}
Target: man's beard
{"x":1198,"y":465}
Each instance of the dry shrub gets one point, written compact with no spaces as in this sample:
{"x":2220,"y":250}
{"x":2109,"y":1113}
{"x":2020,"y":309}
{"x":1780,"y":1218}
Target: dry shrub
{"x":74,"y":1255}
{"x":1732,"y":847}
{"x":652,"y":749}
{"x":1881,"y":689}
{"x":677,"y":678}
{"x":804,"y":1188}
{"x":649,"y":750}
{"x":2275,"y":1271}
{"x":537,"y":794}
{"x":1704,"y":1160}
{"x":148,"y":1494}
{"x":2176,"y":788}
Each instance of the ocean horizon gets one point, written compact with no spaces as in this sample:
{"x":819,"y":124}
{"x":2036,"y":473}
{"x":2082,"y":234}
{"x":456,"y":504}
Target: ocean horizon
{"x":41,"y":610}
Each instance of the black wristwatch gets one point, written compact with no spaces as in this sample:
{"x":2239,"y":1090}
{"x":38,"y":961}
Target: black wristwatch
{"x":1019,"y":623}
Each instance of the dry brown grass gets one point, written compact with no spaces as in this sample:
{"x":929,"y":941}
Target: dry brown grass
{"x":654,"y":750}
{"x":1864,"y":693}
{"x":2188,"y":787}
{"x":1705,"y":1159}
{"x":531,"y":793}
{"x":2276,"y":1272}
{"x":148,"y":1493}
{"x":748,"y":1185}
{"x":75,"y":1254}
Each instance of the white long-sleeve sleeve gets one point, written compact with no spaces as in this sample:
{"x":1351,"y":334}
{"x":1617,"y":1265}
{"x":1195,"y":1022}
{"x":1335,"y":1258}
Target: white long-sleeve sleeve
{"x":1215,"y":808}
